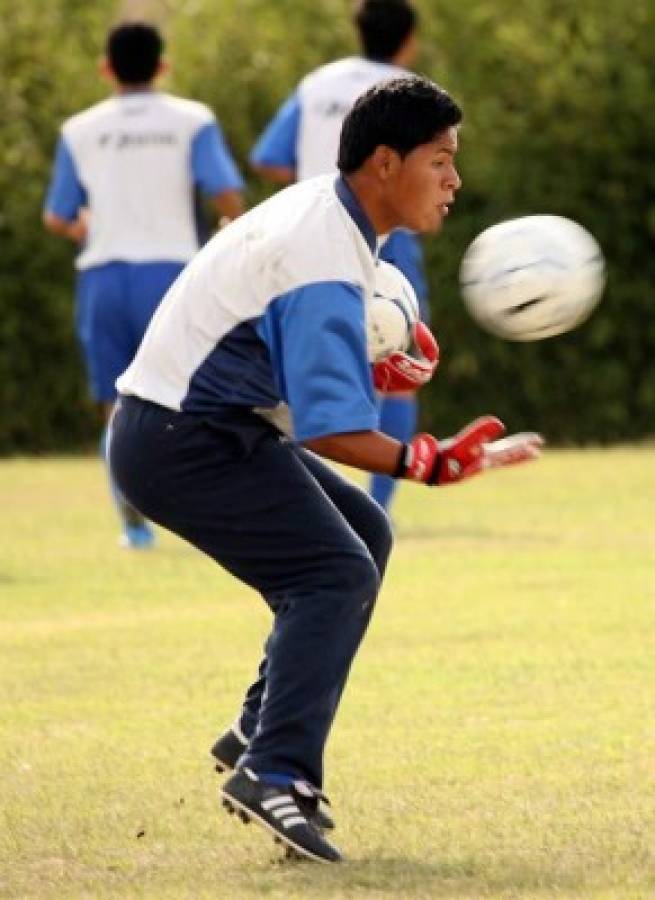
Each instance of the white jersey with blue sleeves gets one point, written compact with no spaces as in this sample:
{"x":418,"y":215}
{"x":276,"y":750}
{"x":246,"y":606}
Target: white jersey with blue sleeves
{"x":271,"y":313}
{"x":305,"y":133}
{"x":134,"y":160}
{"x":304,"y":136}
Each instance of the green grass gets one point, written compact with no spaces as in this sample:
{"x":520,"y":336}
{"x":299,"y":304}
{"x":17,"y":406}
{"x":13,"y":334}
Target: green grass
{"x":496,"y":738}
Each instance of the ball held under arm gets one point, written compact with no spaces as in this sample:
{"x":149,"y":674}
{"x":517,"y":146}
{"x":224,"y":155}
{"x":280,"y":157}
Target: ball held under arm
{"x":402,"y":371}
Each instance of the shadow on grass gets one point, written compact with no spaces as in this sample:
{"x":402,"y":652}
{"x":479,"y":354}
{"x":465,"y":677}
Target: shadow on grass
{"x":22,"y":578}
{"x":398,"y":877}
{"x":488,"y":535}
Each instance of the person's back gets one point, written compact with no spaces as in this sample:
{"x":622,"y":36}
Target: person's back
{"x":324,"y":98}
{"x":132,"y":154}
{"x":302,"y":140}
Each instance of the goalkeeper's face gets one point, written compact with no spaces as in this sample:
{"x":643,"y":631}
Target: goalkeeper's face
{"x":424,"y":183}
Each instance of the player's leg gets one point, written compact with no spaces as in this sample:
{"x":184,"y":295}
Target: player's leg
{"x":103,"y":330}
{"x":355,"y":505}
{"x":364,"y":516}
{"x":143,"y":286}
{"x":398,"y":415}
{"x":233,"y":742}
{"x":245,"y":498}
{"x":242,"y":496}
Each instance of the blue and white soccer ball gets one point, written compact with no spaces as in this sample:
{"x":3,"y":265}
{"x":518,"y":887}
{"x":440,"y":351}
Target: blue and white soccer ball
{"x":532,"y":278}
{"x":391,"y":312}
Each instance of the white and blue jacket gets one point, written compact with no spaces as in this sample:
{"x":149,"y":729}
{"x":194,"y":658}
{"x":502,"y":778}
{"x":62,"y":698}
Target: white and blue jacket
{"x":270,"y":315}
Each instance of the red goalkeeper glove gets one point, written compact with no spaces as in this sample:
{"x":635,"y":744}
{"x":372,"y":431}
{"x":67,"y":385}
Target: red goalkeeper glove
{"x":404,"y":372}
{"x":476,"y":447}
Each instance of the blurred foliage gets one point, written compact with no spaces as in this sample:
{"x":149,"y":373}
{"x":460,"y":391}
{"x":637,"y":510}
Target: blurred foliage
{"x":558,"y":119}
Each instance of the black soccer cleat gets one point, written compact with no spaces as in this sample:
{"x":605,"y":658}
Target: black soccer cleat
{"x":227,"y":750}
{"x":276,"y":809}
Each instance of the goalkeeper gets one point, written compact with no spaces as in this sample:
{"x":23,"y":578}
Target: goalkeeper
{"x":252,"y":369}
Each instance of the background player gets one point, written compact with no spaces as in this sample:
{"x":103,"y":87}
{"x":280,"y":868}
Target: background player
{"x":123,"y":187}
{"x":269,"y":319}
{"x":302,"y":141}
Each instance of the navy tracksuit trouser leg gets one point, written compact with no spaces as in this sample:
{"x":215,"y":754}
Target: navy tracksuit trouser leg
{"x":364,"y":517}
{"x":314,"y":545}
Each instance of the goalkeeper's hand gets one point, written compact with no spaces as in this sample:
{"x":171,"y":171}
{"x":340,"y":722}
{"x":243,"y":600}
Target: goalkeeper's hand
{"x":408,"y":372}
{"x":476,"y":447}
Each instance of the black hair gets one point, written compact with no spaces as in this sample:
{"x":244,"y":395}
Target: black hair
{"x":384,"y":26}
{"x":134,"y":50}
{"x":402,"y":114}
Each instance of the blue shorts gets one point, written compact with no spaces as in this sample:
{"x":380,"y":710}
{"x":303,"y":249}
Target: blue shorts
{"x":114,"y":304}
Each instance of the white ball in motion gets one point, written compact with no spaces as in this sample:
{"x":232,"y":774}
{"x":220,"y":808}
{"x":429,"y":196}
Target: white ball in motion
{"x":532,"y":278}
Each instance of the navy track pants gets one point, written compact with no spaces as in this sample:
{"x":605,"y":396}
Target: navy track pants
{"x":313,"y":544}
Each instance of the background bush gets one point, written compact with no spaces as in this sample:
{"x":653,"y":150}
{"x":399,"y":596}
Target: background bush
{"x":558,"y":119}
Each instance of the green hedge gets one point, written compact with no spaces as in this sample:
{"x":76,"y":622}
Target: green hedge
{"x":558,"y":119}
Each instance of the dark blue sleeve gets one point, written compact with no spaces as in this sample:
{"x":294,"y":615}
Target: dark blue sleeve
{"x":316,"y":337}
{"x":277,"y":145}
{"x":214,"y":170}
{"x":66,"y":193}
{"x":403,"y":249}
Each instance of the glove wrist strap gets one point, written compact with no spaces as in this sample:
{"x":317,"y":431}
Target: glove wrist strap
{"x":406,"y":466}
{"x":401,"y":466}
{"x":435,"y":474}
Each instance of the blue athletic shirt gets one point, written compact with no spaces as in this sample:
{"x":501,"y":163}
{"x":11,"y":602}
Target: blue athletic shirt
{"x":270,"y":315}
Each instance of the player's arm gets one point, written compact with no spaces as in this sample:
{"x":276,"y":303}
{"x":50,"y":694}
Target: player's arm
{"x":65,"y":213}
{"x":282,"y":175}
{"x":476,"y":448}
{"x":215,"y":171}
{"x":229,"y":205}
{"x":75,"y":231}
{"x":317,"y":339}
{"x":274,"y":155}
{"x":371,"y":451}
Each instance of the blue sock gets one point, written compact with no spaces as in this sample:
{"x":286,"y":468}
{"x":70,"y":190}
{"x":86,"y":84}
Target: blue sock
{"x":277,"y":778}
{"x":398,"y":417}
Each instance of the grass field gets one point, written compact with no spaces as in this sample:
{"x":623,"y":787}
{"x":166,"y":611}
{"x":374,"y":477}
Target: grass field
{"x":496,"y":739}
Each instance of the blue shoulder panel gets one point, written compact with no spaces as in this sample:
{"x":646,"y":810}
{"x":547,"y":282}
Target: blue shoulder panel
{"x":214,"y":170}
{"x":277,"y":145}
{"x":316,"y":337}
{"x":66,"y":193}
